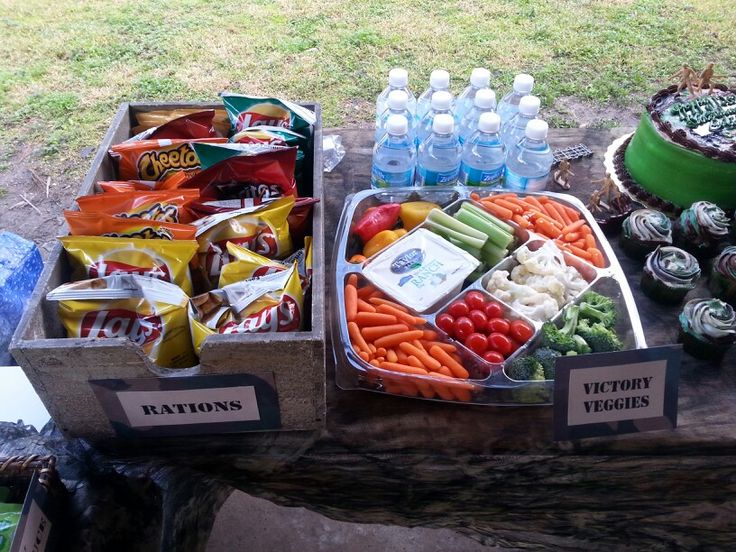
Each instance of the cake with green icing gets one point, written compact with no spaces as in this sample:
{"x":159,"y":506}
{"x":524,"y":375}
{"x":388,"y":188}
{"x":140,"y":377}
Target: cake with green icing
{"x":683,"y":151}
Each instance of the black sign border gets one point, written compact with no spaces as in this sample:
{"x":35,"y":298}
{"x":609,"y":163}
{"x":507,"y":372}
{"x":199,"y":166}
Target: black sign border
{"x":671,"y":353}
{"x":107,"y":390}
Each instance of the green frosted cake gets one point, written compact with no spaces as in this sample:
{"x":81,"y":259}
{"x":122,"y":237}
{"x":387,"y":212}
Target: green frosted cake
{"x":683,"y":151}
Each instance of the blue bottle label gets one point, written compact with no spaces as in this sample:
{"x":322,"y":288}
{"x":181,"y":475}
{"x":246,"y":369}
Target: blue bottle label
{"x":516,"y":182}
{"x":436,"y":178}
{"x":384,"y":179}
{"x":479,"y":177}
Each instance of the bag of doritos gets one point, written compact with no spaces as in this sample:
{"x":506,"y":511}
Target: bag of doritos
{"x":271,"y":303}
{"x":264,"y":175}
{"x":151,"y":313}
{"x":159,"y":117}
{"x":168,"y":206}
{"x":249,"y":111}
{"x":156,"y":159}
{"x":97,"y":257}
{"x":100,"y":224}
{"x":187,"y":127}
{"x":262,"y":229}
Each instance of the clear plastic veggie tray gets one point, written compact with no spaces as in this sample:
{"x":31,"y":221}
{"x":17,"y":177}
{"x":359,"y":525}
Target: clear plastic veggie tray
{"x":437,"y":364}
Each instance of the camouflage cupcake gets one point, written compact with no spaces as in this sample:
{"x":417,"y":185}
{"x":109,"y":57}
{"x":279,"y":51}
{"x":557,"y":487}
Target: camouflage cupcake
{"x":643,"y":231}
{"x":669,"y":273}
{"x":722,"y":281}
{"x":702,"y":228}
{"x":707,"y":328}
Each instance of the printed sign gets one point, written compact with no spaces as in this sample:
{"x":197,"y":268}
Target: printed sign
{"x":189,"y":405}
{"x":615,"y":393}
{"x":35,"y":526}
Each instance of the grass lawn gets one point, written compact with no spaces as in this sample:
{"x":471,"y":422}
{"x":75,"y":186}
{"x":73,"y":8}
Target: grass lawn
{"x":65,"y":65}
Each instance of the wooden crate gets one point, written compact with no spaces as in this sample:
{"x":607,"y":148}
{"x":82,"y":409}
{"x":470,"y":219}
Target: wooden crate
{"x":60,"y":368}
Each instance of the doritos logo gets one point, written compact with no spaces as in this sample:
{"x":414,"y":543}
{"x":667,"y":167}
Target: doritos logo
{"x":103,"y":267}
{"x":122,"y":323}
{"x":154,"y":165}
{"x":284,"y":317}
{"x":264,"y":114}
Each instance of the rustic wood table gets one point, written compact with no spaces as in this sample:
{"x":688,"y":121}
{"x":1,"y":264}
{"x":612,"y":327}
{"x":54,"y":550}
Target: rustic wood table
{"x":491,"y":472}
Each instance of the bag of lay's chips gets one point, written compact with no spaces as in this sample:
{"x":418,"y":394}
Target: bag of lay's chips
{"x":272,"y":303}
{"x":263,"y":175}
{"x":151,"y":313}
{"x":97,"y":257}
{"x":168,"y":206}
{"x":245,"y":265}
{"x":187,"y":127}
{"x":262,"y":229}
{"x":156,"y":159}
{"x":159,"y":117}
{"x":99,"y":224}
{"x":249,"y":111}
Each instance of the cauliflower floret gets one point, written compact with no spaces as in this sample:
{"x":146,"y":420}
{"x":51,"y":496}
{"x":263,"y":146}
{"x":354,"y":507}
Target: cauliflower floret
{"x":539,"y":307}
{"x":551,"y":285}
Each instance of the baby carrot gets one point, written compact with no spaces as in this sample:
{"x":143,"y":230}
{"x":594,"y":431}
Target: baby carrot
{"x":403,"y":368}
{"x":353,"y":280}
{"x":375,"y":362}
{"x":582,"y":253}
{"x":561,"y":212}
{"x":391,"y":356}
{"x":533,"y":201}
{"x":351,"y":302}
{"x":380,"y":351}
{"x":428,"y":362}
{"x":365,"y":291}
{"x":572,"y":213}
{"x":443,"y":391}
{"x":544,"y":227}
{"x":579,"y":243}
{"x":457,"y":358}
{"x":357,"y":338}
{"x":364,"y":356}
{"x":411,"y":360}
{"x":448,"y":348}
{"x":586,"y":230}
{"x":571,"y":237}
{"x":513,"y":207}
{"x":444,"y":370}
{"x":475,"y":196}
{"x":395,"y":339}
{"x":521,"y":221}
{"x":365,"y":306}
{"x":596,"y":257}
{"x":403,"y":359}
{"x":401,"y":316}
{"x":357,"y":259}
{"x":573,"y":227}
{"x":372,"y":348}
{"x":374,"y":319}
{"x":379,"y":301}
{"x":589,"y":241}
{"x":552,"y":212}
{"x":372,"y":333}
{"x":457,"y":369}
{"x":430,"y":335}
{"x":497,"y":210}
{"x":377,"y":294}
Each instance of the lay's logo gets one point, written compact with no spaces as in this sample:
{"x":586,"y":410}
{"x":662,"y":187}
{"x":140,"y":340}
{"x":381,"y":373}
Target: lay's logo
{"x":103,"y":267}
{"x":122,"y":323}
{"x":264,"y":114}
{"x":284,"y":317}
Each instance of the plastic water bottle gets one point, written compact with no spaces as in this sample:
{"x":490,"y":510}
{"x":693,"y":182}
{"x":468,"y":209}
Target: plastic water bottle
{"x":20,"y":266}
{"x":514,"y":130}
{"x":479,"y":78}
{"x":509,"y":105}
{"x":398,"y":79}
{"x":484,"y":154}
{"x":438,"y":160}
{"x":485,"y":101}
{"x":438,"y":80}
{"x":394,"y":157}
{"x":441,"y":104}
{"x":528,"y":163}
{"x":397,"y":102}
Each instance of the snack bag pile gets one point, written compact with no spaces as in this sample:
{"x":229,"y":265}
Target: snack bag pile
{"x":200,"y":230}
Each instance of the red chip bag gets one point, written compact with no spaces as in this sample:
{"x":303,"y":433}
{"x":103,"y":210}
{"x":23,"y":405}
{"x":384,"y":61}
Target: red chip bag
{"x":166,"y":206}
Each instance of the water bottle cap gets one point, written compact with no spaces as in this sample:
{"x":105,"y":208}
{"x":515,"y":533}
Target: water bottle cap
{"x":536,"y":129}
{"x":480,"y":77}
{"x":441,"y":100}
{"x":439,"y":79}
{"x":397,"y":100}
{"x":529,"y":106}
{"x":443,"y":124}
{"x":485,"y":98}
{"x":397,"y":125}
{"x":489,"y":122}
{"x":523,"y":83}
{"x":398,"y":78}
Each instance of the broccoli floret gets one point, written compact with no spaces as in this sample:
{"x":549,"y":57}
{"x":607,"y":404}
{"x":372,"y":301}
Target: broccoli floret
{"x":598,"y":308}
{"x":562,"y":339}
{"x":547,"y":358}
{"x":582,"y":347}
{"x":600,"y":338}
{"x":525,"y":368}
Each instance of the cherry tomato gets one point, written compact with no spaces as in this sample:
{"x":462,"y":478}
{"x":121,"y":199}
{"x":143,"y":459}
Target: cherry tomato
{"x":493,"y":310}
{"x":458,"y":309}
{"x":521,"y":331}
{"x":446,"y":323}
{"x":479,"y":318}
{"x":477,"y":343}
{"x":500,"y":325}
{"x":494,"y":357}
{"x":475,"y":300}
{"x":501,"y":343}
{"x":463,"y":328}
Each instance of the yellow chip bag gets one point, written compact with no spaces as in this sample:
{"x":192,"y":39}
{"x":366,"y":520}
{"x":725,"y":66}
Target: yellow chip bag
{"x":261,"y":228}
{"x":97,"y":257}
{"x":271,"y":303}
{"x":245,"y":264}
{"x":151,"y":313}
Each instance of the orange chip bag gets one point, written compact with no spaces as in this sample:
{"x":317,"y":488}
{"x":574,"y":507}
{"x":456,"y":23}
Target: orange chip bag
{"x":156,"y":159}
{"x":168,"y":206}
{"x":96,"y":257}
{"x":151,"y":313}
{"x":261,"y":228}
{"x":271,"y":303}
{"x":99,"y":224}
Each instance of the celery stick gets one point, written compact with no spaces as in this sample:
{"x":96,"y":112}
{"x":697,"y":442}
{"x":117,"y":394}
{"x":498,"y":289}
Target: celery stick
{"x":494,"y":233}
{"x":465,"y":247}
{"x":488,"y":216}
{"x":443,"y":219}
{"x":491,"y":259}
{"x":470,"y":241}
{"x":492,"y":249}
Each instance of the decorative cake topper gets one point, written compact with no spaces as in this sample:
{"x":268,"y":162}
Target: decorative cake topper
{"x":561,"y":175}
{"x":608,"y":187}
{"x":706,"y":76}
{"x":687,"y":77}
{"x":594,"y":203}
